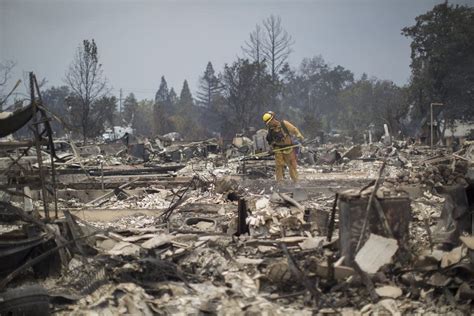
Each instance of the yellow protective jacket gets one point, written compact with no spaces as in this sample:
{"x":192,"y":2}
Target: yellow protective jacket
{"x":279,"y":134}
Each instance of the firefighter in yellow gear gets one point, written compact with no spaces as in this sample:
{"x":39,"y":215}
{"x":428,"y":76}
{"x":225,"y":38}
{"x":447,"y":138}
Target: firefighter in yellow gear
{"x":280,"y":136}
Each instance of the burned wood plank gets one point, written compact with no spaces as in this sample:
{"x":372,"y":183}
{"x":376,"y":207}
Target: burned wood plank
{"x":242,"y":226}
{"x":113,"y":183}
{"x":111,"y":193}
{"x":332,"y":219}
{"x":97,"y":172}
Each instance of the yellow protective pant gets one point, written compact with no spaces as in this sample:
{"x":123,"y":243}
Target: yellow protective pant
{"x":285,"y":159}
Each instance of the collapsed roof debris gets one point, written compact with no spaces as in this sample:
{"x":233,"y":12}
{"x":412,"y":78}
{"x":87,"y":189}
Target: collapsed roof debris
{"x":191,"y":228}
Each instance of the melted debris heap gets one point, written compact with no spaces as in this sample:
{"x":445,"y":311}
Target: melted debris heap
{"x":369,"y":230}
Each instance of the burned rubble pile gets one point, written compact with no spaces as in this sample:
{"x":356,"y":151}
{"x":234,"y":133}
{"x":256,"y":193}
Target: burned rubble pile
{"x":161,"y":226}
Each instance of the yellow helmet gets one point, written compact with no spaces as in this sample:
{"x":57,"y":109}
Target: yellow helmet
{"x":268,"y":116}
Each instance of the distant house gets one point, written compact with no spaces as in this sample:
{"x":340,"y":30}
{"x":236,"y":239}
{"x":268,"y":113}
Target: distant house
{"x":460,"y":132}
{"x":116,"y":132}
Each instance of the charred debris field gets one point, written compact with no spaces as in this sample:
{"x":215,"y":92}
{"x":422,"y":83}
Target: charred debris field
{"x":162,"y":226}
{"x":276,"y":181}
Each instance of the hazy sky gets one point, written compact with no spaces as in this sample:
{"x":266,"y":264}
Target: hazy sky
{"x":139,"y":41}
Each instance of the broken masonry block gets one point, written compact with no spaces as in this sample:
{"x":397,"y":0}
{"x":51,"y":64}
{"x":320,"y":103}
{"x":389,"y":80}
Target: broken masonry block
{"x":376,"y":252}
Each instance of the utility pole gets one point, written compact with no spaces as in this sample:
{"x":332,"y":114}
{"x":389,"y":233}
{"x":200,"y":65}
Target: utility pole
{"x":431,"y":111}
{"x":120,"y":102}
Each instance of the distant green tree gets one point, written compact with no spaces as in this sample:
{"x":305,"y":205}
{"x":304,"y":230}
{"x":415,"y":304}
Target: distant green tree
{"x":162,"y":109}
{"x":162,"y":95}
{"x":186,"y":98}
{"x":313,"y":90}
{"x":130,"y":105}
{"x":247,"y":92}
{"x":143,"y":122}
{"x":54,"y":99}
{"x":173,"y":97}
{"x":373,"y":102}
{"x":357,"y":101}
{"x":186,"y":120}
{"x":442,"y":61}
{"x":209,"y":87}
{"x":103,"y":114}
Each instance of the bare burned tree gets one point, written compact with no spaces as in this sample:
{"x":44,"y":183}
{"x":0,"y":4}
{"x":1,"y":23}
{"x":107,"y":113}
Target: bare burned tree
{"x":253,"y":48}
{"x":87,"y":82}
{"x":276,"y":45}
{"x":5,"y":69}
